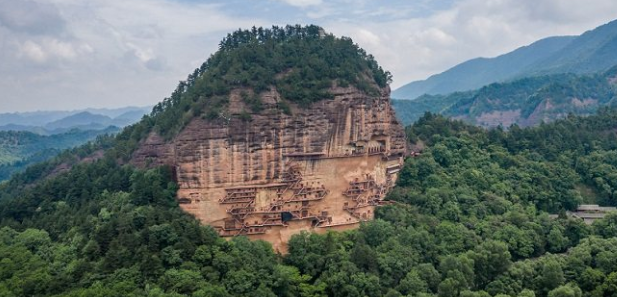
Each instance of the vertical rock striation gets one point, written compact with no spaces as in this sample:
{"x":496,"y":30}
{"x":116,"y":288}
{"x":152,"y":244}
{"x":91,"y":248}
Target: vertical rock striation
{"x":323,"y":167}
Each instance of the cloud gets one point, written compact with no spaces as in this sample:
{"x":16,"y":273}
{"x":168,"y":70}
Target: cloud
{"x":30,"y":17}
{"x":48,"y":49}
{"x":432,"y":37}
{"x":303,"y":3}
{"x":33,"y":52}
{"x":368,"y":37}
{"x":418,"y":46}
{"x":66,"y":54}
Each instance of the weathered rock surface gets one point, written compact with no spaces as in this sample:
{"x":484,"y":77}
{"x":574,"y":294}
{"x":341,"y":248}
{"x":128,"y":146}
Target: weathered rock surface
{"x":323,"y":167}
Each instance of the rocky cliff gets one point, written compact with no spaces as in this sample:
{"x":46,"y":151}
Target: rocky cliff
{"x":323,"y":167}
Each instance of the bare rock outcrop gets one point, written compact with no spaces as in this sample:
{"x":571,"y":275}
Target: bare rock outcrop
{"x":323,"y":167}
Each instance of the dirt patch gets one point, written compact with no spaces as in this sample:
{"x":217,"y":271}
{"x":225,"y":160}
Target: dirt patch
{"x":65,"y":166}
{"x":538,"y":115}
{"x":504,"y":118}
{"x":584,"y":103}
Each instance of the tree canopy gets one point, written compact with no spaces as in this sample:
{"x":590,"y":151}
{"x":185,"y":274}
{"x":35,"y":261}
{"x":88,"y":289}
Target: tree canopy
{"x":301,"y":62}
{"x":470,"y":218}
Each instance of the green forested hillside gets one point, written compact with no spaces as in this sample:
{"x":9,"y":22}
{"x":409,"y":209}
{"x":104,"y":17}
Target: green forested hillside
{"x":409,"y":111}
{"x":18,"y":149}
{"x":525,"y":102}
{"x":470,"y":219}
{"x":302,"y":63}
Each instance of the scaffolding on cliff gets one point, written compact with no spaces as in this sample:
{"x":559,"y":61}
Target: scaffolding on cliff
{"x":292,"y":202}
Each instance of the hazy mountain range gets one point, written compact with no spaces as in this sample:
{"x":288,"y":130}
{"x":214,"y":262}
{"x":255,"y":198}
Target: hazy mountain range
{"x":31,"y":137}
{"x":594,"y":51}
{"x":54,"y":122}
{"x":525,"y":102}
{"x":546,"y":80}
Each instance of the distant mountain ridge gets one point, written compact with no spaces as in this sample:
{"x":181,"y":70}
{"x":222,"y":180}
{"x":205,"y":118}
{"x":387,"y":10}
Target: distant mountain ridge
{"x":524,"y":102}
{"x":56,"y":122}
{"x":19,"y":149}
{"x":593,"y":51}
{"x":79,"y":119}
{"x":31,"y":137}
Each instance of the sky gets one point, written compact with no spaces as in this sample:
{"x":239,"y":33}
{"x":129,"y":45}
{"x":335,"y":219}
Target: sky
{"x":73,"y":54}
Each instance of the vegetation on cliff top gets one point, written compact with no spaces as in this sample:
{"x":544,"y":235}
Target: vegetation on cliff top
{"x":470,"y":220}
{"x":301,"y":62}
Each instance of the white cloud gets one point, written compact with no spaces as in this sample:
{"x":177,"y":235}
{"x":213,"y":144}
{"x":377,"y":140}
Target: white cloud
{"x":105,"y":53}
{"x":47,"y":49}
{"x":303,"y":3}
{"x":75,"y":53}
{"x":61,"y":49}
{"x":432,"y":37}
{"x":143,"y":55}
{"x":32,"y":51}
{"x":415,"y":48}
{"x":368,"y":37}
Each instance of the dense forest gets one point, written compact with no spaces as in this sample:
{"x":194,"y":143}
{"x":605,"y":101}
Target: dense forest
{"x":470,"y":219}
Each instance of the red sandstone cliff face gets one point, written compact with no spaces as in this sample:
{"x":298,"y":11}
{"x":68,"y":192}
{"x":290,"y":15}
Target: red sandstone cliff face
{"x":323,"y":167}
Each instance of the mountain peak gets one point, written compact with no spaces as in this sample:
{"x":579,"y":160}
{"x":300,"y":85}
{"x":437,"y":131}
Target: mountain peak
{"x":301,"y":62}
{"x":593,"y":51}
{"x":270,"y":132}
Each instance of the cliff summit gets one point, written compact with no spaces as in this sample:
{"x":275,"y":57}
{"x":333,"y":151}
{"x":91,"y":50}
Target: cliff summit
{"x":282,"y":130}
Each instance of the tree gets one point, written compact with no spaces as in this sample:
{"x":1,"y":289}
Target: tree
{"x":287,"y":281}
{"x":610,"y":285}
{"x":551,"y":275}
{"x":527,"y":293}
{"x":490,"y":259}
{"x":568,"y":290}
{"x":458,"y":269}
{"x":590,"y":279}
{"x":557,"y":242}
{"x":450,"y":288}
{"x":412,"y":284}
